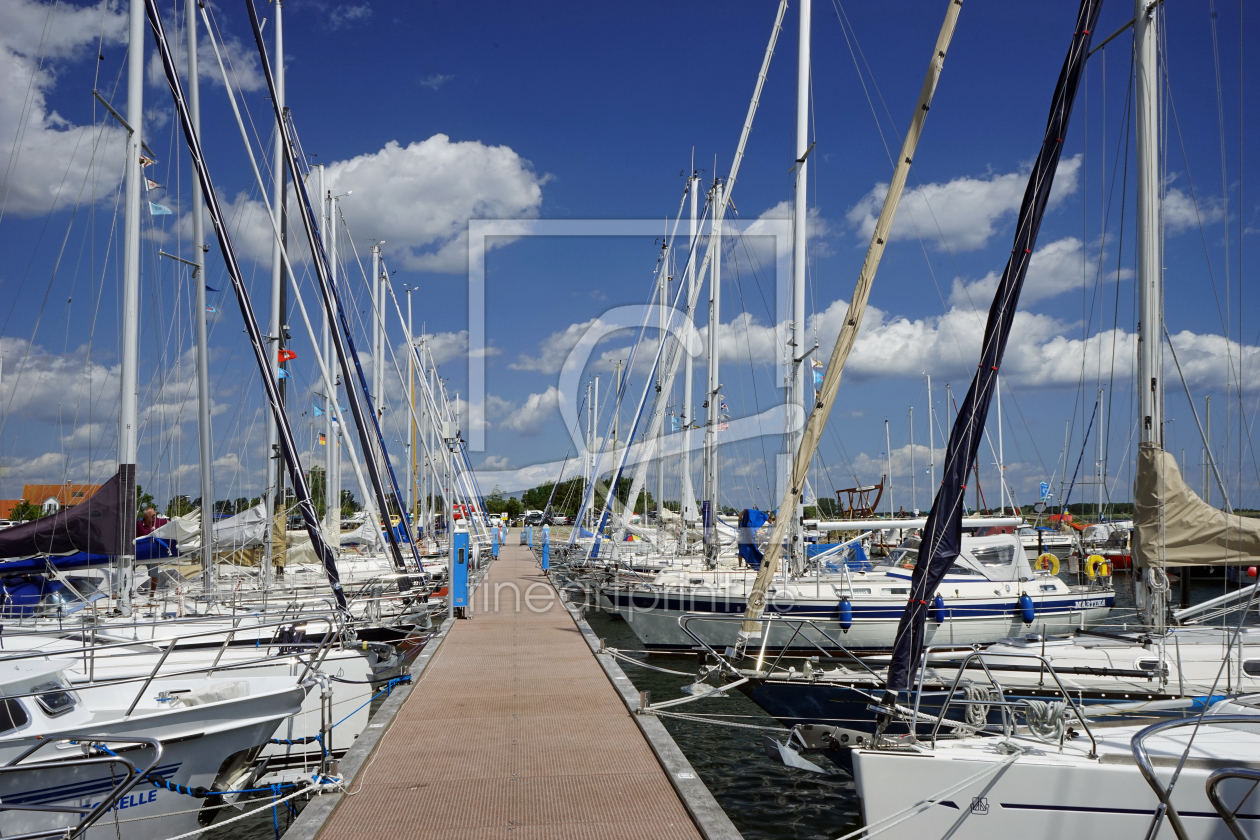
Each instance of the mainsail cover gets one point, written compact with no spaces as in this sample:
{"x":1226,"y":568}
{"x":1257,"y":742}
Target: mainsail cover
{"x":1177,"y":528}
{"x":91,"y":526}
{"x":942,"y":534}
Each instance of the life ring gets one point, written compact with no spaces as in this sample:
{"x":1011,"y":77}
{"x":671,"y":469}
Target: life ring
{"x":1096,"y":565}
{"x":1040,"y":563}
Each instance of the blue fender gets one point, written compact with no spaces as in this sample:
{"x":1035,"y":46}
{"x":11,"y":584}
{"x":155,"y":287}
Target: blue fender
{"x":1026,"y":608}
{"x":846,"y":615}
{"x":938,"y":610}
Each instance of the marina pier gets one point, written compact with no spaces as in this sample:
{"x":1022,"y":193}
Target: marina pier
{"x":513,"y":728}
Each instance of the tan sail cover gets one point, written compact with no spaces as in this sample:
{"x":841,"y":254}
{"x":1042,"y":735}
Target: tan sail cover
{"x":1176,"y":526}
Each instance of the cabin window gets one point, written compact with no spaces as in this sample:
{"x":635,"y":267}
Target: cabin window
{"x":54,"y":699}
{"x":995,"y":555}
{"x":900,"y":590}
{"x":903,"y":558}
{"x":959,"y":569}
{"x":12,"y":715}
{"x":1153,"y":665}
{"x":1251,"y":667}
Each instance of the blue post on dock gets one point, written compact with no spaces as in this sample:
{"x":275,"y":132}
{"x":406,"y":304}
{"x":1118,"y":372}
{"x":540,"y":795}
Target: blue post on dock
{"x":546,"y":547}
{"x":494,"y":543}
{"x":531,"y":536}
{"x":459,"y":573}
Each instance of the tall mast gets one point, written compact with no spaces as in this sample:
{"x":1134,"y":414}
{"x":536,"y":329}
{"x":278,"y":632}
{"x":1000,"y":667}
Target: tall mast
{"x":334,"y":454}
{"x":888,"y":479}
{"x":797,"y":362}
{"x":1149,"y":277}
{"x":914,"y":487}
{"x":277,"y":325}
{"x":377,"y":313}
{"x":662,"y":293}
{"x":130,"y":349}
{"x":332,"y":510}
{"x":713,"y":385}
{"x":411,"y":426}
{"x":1001,"y":455}
{"x":204,"y":436}
{"x":1150,"y":290}
{"x":931,"y":442}
{"x":688,"y":408}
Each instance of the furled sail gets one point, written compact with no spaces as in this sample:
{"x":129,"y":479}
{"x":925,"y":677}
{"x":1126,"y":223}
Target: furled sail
{"x":817,"y":419}
{"x":942,"y":535}
{"x":91,"y":527}
{"x":1177,"y":528}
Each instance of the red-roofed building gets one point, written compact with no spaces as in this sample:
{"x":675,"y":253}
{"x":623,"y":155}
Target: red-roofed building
{"x":53,"y":497}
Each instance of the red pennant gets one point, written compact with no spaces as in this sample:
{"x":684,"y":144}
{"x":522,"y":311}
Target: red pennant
{"x":286,"y":356}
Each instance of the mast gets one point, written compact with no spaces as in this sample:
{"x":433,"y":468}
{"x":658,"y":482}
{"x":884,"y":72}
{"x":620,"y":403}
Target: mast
{"x":797,"y":361}
{"x":662,"y":293}
{"x":914,"y":488}
{"x":688,"y":408}
{"x":334,"y":454}
{"x":204,"y":436}
{"x":1001,"y":456}
{"x":713,"y":387}
{"x":1150,"y":289}
{"x":931,"y":439}
{"x":130,"y":349}
{"x":888,"y":448}
{"x":817,"y":420}
{"x":412,"y":436}
{"x":332,"y":510}
{"x":275,"y":496}
{"x":378,"y":370}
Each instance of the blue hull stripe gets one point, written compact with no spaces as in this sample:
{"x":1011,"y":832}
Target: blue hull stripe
{"x":77,"y":790}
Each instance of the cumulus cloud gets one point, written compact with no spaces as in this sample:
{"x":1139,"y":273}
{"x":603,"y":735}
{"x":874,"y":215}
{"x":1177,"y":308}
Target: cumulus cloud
{"x":1060,"y":266}
{"x":967,"y":209}
{"x":495,"y":462}
{"x":554,"y":349}
{"x":241,"y":60}
{"x":1180,"y":212}
{"x":419,"y":198}
{"x":49,"y":161}
{"x":528,"y":419}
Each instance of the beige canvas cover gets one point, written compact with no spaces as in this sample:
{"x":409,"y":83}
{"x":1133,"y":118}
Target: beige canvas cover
{"x":1178,"y":528}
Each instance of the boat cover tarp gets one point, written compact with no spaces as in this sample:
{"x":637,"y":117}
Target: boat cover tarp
{"x":64,"y":563}
{"x":1178,"y":528}
{"x":750,"y":520}
{"x":93,"y":525}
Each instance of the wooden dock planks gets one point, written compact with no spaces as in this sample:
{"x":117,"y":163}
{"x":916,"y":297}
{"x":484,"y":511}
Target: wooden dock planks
{"x":513,"y":731}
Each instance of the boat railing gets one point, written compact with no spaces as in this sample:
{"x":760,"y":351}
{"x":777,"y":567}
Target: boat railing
{"x":1007,"y":707}
{"x":768,"y":622}
{"x":1143,"y":760}
{"x":318,"y":653}
{"x":1228,"y":814}
{"x":88,"y":814}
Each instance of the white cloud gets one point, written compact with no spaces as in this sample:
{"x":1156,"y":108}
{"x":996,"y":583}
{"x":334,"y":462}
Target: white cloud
{"x":242,"y":63}
{"x":1057,"y":267}
{"x":347,"y":15}
{"x":449,"y":347}
{"x":435,"y":81}
{"x":554,"y":349}
{"x":1180,"y":213}
{"x":50,"y":162}
{"x":495,"y":462}
{"x":967,"y":209}
{"x":419,"y":198}
{"x":536,"y":410}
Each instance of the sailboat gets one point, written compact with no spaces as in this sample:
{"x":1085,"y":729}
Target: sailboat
{"x":1045,"y":772}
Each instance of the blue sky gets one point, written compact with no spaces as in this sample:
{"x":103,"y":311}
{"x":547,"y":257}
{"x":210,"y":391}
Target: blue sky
{"x":439,"y":113}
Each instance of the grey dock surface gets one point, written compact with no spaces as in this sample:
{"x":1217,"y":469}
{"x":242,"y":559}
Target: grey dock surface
{"x":512,"y":729}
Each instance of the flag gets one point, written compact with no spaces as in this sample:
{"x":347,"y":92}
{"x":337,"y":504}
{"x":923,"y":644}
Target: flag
{"x":818,"y":378}
{"x":818,"y":371}
{"x":816,"y":363}
{"x":674,"y":425}
{"x":150,"y":184}
{"x":146,"y":161}
{"x":319,"y":412}
{"x":211,"y":310}
{"x":159,"y":209}
{"x":1045,"y":491}
{"x":282,"y":373}
{"x":286,"y":356}
{"x":322,"y":440}
{"x":722,"y":405}
{"x":212,"y":289}
{"x":722,"y":427}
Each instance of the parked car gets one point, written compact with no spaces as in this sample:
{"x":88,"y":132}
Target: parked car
{"x":533,"y":517}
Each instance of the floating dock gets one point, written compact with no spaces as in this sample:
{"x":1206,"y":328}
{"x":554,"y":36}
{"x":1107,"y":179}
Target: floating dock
{"x":514,"y":728}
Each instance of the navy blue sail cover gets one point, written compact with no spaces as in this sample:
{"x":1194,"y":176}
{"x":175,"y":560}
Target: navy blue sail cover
{"x":942,"y":535}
